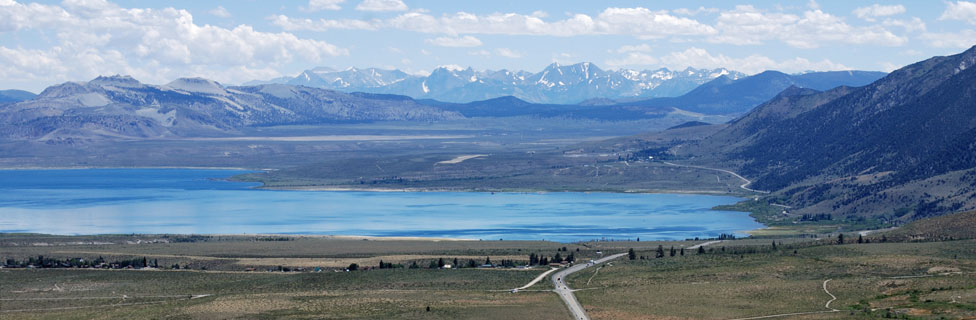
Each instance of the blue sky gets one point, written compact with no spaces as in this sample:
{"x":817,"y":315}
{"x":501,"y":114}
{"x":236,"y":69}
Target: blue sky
{"x":48,"y":42}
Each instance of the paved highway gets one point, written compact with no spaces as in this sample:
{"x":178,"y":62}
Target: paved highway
{"x":565,"y":293}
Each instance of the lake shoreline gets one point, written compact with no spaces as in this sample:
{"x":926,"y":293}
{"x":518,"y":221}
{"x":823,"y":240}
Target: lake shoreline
{"x":527,"y":190}
{"x":258,"y":235}
{"x":535,"y":224}
{"x":134,"y":167}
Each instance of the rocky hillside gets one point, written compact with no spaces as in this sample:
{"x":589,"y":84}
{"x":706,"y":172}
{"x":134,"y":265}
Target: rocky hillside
{"x":726,"y":95}
{"x":122,"y":107}
{"x":901,"y":148}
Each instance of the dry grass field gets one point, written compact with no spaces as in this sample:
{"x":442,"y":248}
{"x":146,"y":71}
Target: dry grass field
{"x":386,"y":294}
{"x":869,"y":281}
{"x":733,"y":279}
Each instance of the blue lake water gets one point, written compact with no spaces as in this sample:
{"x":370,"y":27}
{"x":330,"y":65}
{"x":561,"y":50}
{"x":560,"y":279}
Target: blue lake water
{"x":99,"y":201}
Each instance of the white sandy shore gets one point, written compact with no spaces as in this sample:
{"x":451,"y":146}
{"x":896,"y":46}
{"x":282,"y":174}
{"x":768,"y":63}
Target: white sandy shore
{"x":462,"y":158}
{"x":334,"y":138}
{"x":338,"y":237}
{"x":136,"y":167}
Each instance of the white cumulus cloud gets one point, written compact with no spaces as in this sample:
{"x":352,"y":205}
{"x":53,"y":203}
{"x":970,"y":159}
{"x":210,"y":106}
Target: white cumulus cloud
{"x":701,"y":58}
{"x":638,"y":22}
{"x":508,"y":53}
{"x":381,"y":5}
{"x":961,"y":39}
{"x":157,"y":45}
{"x":876,"y":10}
{"x":693,"y":12}
{"x":321,"y":25}
{"x":455,"y":42}
{"x":960,"y":10}
{"x":220,"y":11}
{"x":317,"y":5}
{"x":747,"y":25}
{"x":910,"y":25}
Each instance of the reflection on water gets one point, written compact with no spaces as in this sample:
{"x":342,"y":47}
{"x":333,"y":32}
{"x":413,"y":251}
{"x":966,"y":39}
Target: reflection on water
{"x":195,"y":201}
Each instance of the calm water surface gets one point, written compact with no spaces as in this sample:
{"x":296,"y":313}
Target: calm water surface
{"x":96,"y":201}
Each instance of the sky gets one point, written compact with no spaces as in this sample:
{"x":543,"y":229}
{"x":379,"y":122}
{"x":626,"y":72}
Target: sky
{"x":48,"y":42}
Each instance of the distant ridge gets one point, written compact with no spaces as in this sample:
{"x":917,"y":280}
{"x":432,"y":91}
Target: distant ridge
{"x":898,"y":149}
{"x":120,"y":107}
{"x":725,"y":95}
{"x":556,"y":84}
{"x":689,"y":124}
{"x":7,"y":96}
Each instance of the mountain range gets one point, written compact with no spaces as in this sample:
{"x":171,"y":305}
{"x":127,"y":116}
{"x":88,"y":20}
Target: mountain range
{"x":556,"y":84}
{"x":725,"y":95}
{"x":717,"y":91}
{"x":900,"y":148}
{"x":122,"y":107}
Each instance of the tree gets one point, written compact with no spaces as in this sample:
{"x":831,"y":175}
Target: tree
{"x":558,"y":258}
{"x":660,"y":251}
{"x":570,"y":257}
{"x":682,"y":252}
{"x":533,"y":259}
{"x":840,"y":238}
{"x":631,"y":254}
{"x":440,"y":262}
{"x":860,"y":238}
{"x":432,"y":265}
{"x":472,"y":264}
{"x":701,"y":249}
{"x":672,"y":251}
{"x":414,"y":265}
{"x":353,"y":267}
{"x":774,"y":245}
{"x":488,"y":260}
{"x":884,"y":238}
{"x":456,"y":265}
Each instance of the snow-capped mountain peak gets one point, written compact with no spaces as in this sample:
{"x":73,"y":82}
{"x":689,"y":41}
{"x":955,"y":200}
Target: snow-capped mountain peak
{"x":556,"y":83}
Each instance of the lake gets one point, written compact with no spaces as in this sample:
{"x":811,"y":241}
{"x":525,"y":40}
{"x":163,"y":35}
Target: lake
{"x":99,"y":201}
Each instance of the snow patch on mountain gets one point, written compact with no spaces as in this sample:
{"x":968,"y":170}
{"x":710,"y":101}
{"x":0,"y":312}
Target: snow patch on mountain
{"x":556,"y":83}
{"x":198,"y":85}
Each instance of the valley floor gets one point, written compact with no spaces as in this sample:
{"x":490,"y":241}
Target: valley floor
{"x":246,"y":277}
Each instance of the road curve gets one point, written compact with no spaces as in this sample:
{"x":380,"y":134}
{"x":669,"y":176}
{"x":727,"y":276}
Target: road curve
{"x":536,"y":280}
{"x":565,"y":293}
{"x":704,"y":244}
{"x":744,"y":186}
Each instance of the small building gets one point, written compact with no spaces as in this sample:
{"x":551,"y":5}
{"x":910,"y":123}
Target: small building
{"x":446,"y":266}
